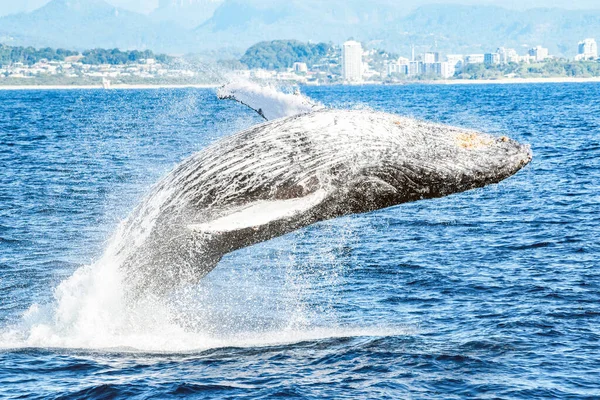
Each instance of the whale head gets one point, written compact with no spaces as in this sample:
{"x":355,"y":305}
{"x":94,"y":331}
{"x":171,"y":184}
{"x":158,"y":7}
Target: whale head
{"x":399,"y":160}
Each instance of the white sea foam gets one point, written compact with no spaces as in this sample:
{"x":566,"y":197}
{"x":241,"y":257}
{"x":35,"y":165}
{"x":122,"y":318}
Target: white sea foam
{"x":235,"y":306}
{"x":89,"y":312}
{"x":267,"y":100}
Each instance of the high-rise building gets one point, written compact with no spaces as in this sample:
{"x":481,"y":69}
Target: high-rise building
{"x":587,"y":50}
{"x":430,"y":69}
{"x":431,"y":57}
{"x":441,"y":69}
{"x":415,"y":68}
{"x":352,"y":63}
{"x":491,"y":58}
{"x":399,"y":66}
{"x":539,"y":53}
{"x":474,"y":58}
{"x":446,"y":70}
{"x":507,"y":55}
{"x":456,"y":62}
{"x":300,"y":67}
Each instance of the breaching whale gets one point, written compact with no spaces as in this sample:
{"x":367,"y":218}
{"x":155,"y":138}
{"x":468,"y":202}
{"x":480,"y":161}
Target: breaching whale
{"x":308,"y":164}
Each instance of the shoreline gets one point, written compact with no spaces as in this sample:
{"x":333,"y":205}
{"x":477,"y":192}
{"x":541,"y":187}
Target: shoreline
{"x":514,"y":81}
{"x":100,"y":87}
{"x":213,"y":86}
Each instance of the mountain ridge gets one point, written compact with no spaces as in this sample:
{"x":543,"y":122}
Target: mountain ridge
{"x":237,"y":24}
{"x":84,"y":24}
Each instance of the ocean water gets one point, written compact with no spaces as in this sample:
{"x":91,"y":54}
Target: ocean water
{"x":493,"y":293}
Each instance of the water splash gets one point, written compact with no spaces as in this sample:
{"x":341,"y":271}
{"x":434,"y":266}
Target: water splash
{"x":270,"y":102}
{"x":239,"y":305}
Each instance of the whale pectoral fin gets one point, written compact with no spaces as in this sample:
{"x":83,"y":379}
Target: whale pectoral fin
{"x":371,"y":193}
{"x":260,"y":213}
{"x":374,"y":185}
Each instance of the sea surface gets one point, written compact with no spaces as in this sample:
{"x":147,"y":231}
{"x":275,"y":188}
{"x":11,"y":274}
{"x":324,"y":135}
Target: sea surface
{"x":492,"y":293}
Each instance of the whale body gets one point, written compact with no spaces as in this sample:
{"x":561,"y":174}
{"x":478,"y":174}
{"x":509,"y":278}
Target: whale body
{"x":294,"y":171}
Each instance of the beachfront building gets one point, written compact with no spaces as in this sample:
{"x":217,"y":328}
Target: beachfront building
{"x":352,"y":63}
{"x":507,"y":55}
{"x":399,"y":66}
{"x":431,"y":58}
{"x":300,"y":67}
{"x":447,"y":70}
{"x":587,"y":50}
{"x":456,"y":62}
{"x":474,"y":58}
{"x":491,"y":58}
{"x":539,"y":53}
{"x":441,"y":69}
{"x":415,"y":68}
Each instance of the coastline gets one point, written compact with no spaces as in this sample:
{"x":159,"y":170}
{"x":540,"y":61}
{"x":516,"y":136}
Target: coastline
{"x":100,"y":87}
{"x":213,"y":86}
{"x":515,"y":81}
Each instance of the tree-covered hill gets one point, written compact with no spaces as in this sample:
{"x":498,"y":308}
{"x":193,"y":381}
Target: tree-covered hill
{"x":282,"y":54}
{"x":116,"y":57}
{"x":29,"y":55}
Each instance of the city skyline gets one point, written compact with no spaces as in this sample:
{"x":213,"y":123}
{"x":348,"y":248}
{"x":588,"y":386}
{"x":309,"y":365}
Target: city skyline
{"x":347,"y":63}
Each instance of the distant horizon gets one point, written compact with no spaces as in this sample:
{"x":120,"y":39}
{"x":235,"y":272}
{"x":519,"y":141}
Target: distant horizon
{"x":146,"y":7}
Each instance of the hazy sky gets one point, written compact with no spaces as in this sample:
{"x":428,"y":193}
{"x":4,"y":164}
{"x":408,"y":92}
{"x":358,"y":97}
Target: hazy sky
{"x":14,"y":6}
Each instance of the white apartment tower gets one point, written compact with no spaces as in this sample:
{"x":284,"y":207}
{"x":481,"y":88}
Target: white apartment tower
{"x":588,"y":50}
{"x":539,"y":53}
{"x":352,"y":63}
{"x":507,"y":55}
{"x":431,"y":57}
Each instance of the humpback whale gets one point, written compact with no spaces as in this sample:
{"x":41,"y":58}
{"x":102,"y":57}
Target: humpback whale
{"x":305,"y":164}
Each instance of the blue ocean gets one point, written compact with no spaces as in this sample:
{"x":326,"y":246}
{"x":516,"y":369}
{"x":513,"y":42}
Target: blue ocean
{"x":491,"y":293}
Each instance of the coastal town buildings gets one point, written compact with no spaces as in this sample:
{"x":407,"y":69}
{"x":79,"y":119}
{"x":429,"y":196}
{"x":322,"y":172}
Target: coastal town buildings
{"x":300,"y":67}
{"x":431,"y":58}
{"x":587,"y":50}
{"x":455,"y":62}
{"x":399,"y":66}
{"x":348,"y":63}
{"x":539,"y":53}
{"x":147,"y":68}
{"x":491,"y":58}
{"x":507,"y":56}
{"x":475,"y":59}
